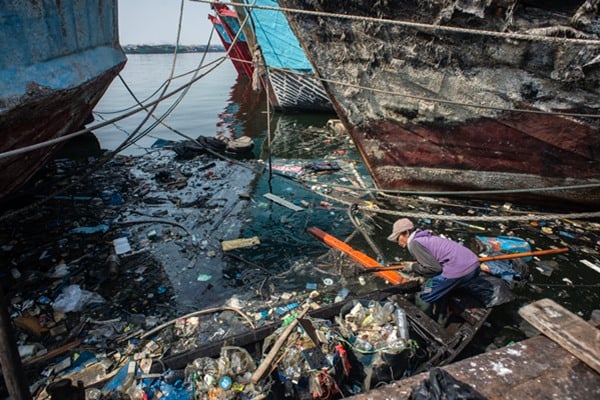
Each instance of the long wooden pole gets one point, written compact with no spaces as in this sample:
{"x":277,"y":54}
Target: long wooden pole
{"x":12,"y":369}
{"x":525,"y":254}
{"x":268,"y":361}
{"x":488,"y":258}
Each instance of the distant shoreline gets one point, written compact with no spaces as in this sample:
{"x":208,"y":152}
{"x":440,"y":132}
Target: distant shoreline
{"x":169,"y":48}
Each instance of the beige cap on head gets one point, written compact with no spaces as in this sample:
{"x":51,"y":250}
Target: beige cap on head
{"x":402,"y":225}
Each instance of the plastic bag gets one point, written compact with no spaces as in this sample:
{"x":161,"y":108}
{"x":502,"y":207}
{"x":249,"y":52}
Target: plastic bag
{"x":503,"y":244}
{"x":489,"y":290}
{"x":512,"y":271}
{"x":443,"y":386}
{"x":73,"y":298}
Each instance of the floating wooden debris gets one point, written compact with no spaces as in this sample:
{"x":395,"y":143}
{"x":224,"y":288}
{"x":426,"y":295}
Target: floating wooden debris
{"x":591,"y":265}
{"x":239,"y":243}
{"x":568,"y":330}
{"x":282,"y":202}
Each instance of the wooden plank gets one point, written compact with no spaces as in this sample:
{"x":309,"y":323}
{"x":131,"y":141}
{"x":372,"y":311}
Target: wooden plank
{"x":565,"y":328}
{"x":533,"y":369}
{"x":282,"y":202}
{"x":53,"y":353}
{"x":591,"y":265}
{"x":392,"y":277}
{"x":239,"y":243}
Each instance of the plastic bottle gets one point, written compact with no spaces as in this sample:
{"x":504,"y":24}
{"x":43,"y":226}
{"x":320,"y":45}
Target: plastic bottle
{"x":402,"y":323}
{"x":342,"y":294}
{"x":362,"y":345}
{"x":383,"y":313}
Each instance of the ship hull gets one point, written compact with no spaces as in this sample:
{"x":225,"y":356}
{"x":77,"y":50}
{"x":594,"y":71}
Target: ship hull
{"x":448,"y":110}
{"x":283,"y":68}
{"x":53,"y":72}
{"x":227,"y":26}
{"x":294,"y":92}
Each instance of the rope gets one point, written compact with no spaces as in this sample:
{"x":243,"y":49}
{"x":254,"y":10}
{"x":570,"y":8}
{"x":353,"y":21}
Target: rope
{"x":268,"y":116}
{"x":64,"y":138}
{"x":171,"y":107}
{"x":130,"y":139}
{"x":155,"y":221}
{"x":417,"y":25}
{"x":367,"y":237}
{"x":422,"y":98}
{"x":152,"y":104}
{"x":195,"y":313}
{"x":498,"y":218}
{"x":456,"y":103}
{"x":471,"y":192}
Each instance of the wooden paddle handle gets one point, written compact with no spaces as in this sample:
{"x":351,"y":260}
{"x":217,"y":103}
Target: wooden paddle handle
{"x":396,"y":267}
{"x":526,"y":254}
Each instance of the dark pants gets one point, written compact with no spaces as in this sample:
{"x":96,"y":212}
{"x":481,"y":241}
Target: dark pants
{"x":438,"y":286}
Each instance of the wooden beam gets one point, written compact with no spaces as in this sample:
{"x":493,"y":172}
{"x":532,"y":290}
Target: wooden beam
{"x":283,"y":202}
{"x":53,"y":353}
{"x":10,"y":360}
{"x":269,"y":359}
{"x":568,"y":330}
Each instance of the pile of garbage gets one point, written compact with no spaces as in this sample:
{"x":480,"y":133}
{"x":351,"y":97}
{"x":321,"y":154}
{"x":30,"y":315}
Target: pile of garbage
{"x":367,"y":343}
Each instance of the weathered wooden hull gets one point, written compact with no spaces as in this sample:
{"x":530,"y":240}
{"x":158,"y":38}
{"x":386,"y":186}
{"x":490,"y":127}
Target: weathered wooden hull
{"x":227,"y":26}
{"x":56,"y":61}
{"x":283,"y":67}
{"x":447,"y":110}
{"x":293,"y":92}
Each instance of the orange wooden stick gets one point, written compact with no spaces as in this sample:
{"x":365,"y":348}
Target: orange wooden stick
{"x":361,"y":258}
{"x":525,"y":254}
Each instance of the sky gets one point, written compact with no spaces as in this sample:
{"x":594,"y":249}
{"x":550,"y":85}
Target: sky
{"x":156,"y":22}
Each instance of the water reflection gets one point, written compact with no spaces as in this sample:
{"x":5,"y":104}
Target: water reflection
{"x":293,"y":135}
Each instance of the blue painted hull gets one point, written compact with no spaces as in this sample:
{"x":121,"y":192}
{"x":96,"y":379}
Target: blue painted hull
{"x":56,"y":61}
{"x":287,"y":72}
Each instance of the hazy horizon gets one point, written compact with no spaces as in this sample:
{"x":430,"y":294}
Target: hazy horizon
{"x":155,"y":22}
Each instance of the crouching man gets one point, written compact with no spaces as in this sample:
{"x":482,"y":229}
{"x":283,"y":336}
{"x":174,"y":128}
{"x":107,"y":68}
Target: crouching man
{"x":448,"y":263}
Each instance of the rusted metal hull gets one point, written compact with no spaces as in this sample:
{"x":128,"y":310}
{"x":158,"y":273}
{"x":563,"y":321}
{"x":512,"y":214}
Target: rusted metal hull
{"x":446,"y":110}
{"x":53,"y":74}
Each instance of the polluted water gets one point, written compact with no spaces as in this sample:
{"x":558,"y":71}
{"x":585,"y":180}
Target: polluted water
{"x":170,"y":245}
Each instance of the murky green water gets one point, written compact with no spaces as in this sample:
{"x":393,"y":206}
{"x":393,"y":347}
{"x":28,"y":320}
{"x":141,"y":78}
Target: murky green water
{"x":226,"y":106}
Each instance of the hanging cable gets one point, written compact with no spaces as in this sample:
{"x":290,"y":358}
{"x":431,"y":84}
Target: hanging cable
{"x":267,"y":86}
{"x":419,"y":26}
{"x":351,"y":209}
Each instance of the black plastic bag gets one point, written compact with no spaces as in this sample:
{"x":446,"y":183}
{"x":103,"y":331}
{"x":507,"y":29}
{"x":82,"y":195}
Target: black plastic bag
{"x":443,"y":386}
{"x":489,"y":290}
